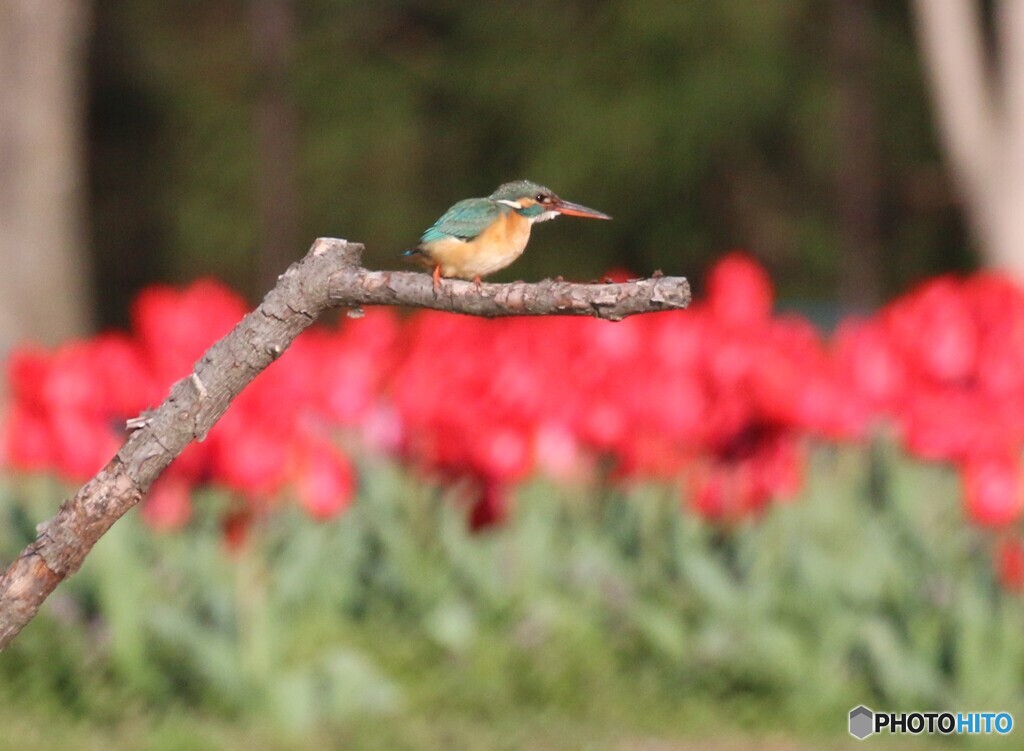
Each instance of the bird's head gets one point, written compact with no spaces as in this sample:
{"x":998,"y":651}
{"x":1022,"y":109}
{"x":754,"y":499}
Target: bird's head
{"x":538,"y":204}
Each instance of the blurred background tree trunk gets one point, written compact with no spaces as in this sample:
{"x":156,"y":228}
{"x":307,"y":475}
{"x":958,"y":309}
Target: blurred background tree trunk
{"x":44,"y":284}
{"x":277,"y":182}
{"x":858,"y":180}
{"x":977,"y":83}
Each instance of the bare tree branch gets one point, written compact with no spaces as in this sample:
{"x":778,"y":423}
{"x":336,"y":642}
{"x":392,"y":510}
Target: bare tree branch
{"x":329,"y":276}
{"x":612,"y":302}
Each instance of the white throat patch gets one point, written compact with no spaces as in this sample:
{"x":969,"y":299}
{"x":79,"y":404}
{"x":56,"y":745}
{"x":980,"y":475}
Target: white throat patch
{"x":543,"y":217}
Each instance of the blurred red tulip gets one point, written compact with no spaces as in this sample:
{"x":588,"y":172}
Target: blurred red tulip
{"x":992,"y":490}
{"x":235,"y":527}
{"x":723,"y":394}
{"x":739,"y":291}
{"x":325,"y":482}
{"x":28,"y":444}
{"x":618,"y":275}
{"x":82,"y":445}
{"x":502,"y":454}
{"x":27,"y":369}
{"x":490,"y":507}
{"x":934,"y":326}
{"x":175,"y":327}
{"x":557,"y":452}
{"x":1009,"y":564}
{"x":128,"y":385}
{"x":778,"y":466}
{"x":725,"y":492}
{"x":168,"y":505}
{"x":868,"y":361}
{"x":250,"y":458}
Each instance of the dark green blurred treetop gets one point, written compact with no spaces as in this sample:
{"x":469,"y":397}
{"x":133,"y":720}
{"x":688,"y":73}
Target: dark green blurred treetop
{"x":700,"y":126}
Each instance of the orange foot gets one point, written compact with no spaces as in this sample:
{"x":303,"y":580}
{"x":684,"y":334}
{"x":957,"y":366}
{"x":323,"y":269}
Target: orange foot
{"x":477,"y":282}
{"x":437,"y":280}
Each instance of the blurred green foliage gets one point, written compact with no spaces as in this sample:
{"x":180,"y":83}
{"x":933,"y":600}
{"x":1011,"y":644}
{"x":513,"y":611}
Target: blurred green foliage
{"x":699,"y":126}
{"x":590,"y":617}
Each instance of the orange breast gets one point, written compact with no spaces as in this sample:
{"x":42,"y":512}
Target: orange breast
{"x":492,"y":250}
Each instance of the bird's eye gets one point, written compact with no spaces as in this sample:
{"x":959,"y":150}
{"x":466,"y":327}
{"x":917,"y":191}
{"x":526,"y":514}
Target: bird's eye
{"x":541,"y":198}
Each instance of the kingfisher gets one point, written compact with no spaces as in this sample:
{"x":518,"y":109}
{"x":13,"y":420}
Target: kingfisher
{"x":478,"y":236}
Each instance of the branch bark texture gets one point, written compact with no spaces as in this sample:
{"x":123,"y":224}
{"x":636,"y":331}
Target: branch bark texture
{"x":329,"y":276}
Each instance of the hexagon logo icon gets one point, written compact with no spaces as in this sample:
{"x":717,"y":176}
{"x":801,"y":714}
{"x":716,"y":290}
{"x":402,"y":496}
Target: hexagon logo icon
{"x":862,"y":722}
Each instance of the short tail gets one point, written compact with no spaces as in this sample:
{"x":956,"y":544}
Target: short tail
{"x":412,"y":252}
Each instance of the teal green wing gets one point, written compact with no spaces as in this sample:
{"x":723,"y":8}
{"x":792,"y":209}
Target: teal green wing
{"x":465,"y":220}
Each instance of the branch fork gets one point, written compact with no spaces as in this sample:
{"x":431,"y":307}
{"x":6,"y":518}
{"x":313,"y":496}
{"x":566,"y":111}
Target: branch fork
{"x":329,"y":276}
